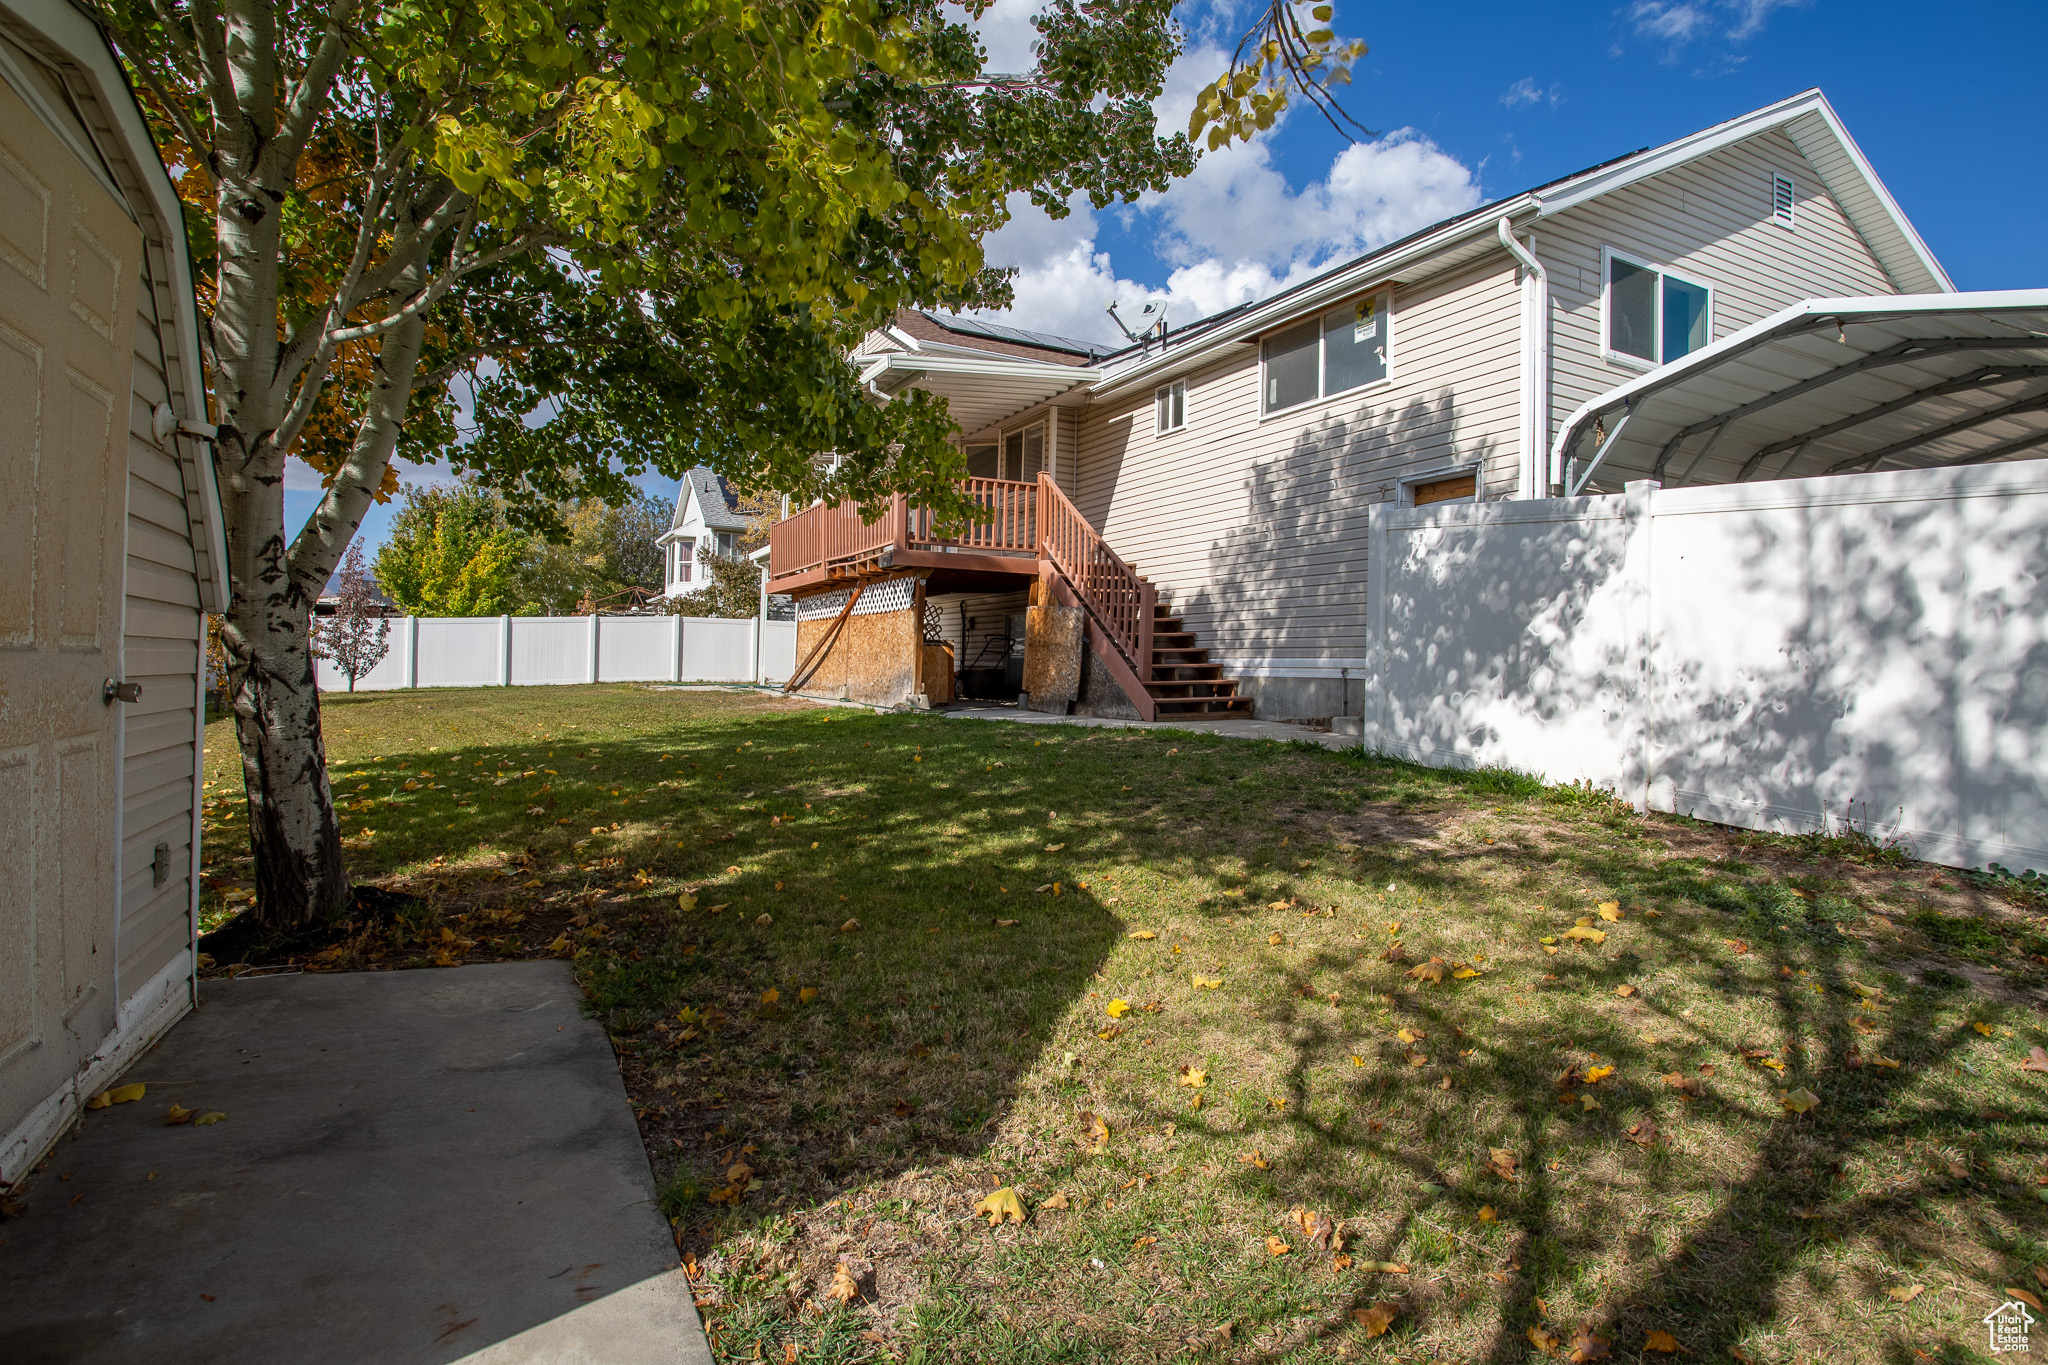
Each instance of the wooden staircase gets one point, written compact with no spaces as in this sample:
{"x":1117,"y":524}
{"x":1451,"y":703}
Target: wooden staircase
{"x":1181,"y":680}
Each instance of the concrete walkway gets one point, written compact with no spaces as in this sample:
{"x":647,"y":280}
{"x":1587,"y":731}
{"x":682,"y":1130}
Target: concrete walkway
{"x":422,"y":1166}
{"x":1231,"y":727}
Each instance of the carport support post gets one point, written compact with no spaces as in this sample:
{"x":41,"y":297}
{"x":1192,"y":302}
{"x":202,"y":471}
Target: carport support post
{"x":1638,"y":511}
{"x":590,"y":671}
{"x":504,"y":651}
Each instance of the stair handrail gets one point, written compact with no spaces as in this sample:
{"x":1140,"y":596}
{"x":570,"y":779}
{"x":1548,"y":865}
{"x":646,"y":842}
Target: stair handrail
{"x":1119,"y":600}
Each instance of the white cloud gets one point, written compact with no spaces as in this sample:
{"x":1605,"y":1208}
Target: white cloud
{"x":1235,"y":230}
{"x":1526,"y":91}
{"x":1678,"y":22}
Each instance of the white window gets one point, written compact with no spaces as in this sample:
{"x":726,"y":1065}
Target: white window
{"x":1783,"y":199}
{"x":1170,"y":407}
{"x":1343,"y":349}
{"x":1653,"y":316}
{"x":686,"y":556}
{"x":1024,"y":453}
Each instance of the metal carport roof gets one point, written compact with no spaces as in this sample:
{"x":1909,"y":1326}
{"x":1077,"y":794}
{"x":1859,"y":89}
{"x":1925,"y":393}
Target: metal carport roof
{"x":1828,"y":386}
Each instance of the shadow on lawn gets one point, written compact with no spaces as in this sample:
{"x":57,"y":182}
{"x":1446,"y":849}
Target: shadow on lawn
{"x":929,"y":1014}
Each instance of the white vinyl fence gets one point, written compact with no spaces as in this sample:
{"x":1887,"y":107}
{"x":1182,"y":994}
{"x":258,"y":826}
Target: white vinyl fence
{"x":522,"y":651}
{"x":1787,"y":655}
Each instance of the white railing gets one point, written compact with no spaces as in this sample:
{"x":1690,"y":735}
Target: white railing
{"x":534,"y":651}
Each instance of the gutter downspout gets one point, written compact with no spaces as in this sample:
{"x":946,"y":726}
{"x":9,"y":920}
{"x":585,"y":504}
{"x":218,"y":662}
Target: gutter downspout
{"x":1536,"y":476}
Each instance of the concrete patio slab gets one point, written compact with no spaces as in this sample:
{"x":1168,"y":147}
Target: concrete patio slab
{"x":420,"y":1166}
{"x":1230,"y":727}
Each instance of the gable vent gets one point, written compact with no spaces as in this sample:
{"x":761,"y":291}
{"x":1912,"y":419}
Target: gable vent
{"x":1781,"y":200}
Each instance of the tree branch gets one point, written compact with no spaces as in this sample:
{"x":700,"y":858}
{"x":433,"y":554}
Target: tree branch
{"x":175,"y":112}
{"x":309,"y":95}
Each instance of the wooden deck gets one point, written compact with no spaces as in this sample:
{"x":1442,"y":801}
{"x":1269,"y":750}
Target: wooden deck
{"x":1028,"y":531}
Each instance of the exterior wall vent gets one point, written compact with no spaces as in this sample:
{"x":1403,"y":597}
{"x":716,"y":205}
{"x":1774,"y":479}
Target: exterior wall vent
{"x":1782,"y":199}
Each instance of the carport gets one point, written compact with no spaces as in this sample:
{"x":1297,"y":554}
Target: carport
{"x":1828,"y":386}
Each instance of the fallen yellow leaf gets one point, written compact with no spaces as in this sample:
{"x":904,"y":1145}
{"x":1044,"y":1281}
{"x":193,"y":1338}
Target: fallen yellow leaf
{"x":2013,"y":1291}
{"x":1465,"y":973}
{"x":844,"y":1290}
{"x":1054,"y":848}
{"x":1143,"y":933}
{"x":1982,"y":1027}
{"x":1486,"y":1214}
{"x":1610,"y":911}
{"x":1596,"y":1074}
{"x":1119,"y":1008}
{"x":1908,"y":1293}
{"x":1058,"y":1201}
{"x":1001,"y":1204}
{"x":1410,"y":1035}
{"x":1190,"y":1076}
{"x":120,"y":1094}
{"x":1587,"y":1347}
{"x":1384,"y":1267}
{"x":1276,"y":937}
{"x":1276,"y":1247}
{"x":1543,"y":1339}
{"x":1589,"y":935}
{"x":807,"y":995}
{"x":1376,"y":1319}
{"x":1798,"y":1101}
{"x":1098,"y":1129}
{"x":850,"y":926}
{"x":204,"y":1119}
{"x":1207,"y":983}
{"x":1431,"y":971}
{"x":1662,"y":1341}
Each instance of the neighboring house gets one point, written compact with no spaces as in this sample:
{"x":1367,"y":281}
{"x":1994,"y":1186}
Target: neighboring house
{"x":708,"y":524}
{"x":113,"y":554}
{"x":1206,"y":494}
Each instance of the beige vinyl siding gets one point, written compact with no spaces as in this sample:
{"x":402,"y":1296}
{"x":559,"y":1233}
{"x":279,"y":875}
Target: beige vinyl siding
{"x":988,"y":614}
{"x":160,"y":647}
{"x":1254,"y":530}
{"x":1710,"y":221}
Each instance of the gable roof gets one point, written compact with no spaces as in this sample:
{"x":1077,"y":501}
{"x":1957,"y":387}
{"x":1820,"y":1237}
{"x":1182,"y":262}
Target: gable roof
{"x":718,"y":502}
{"x":1806,"y":118}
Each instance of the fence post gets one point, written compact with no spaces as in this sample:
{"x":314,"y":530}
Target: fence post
{"x":590,"y":673}
{"x":504,"y":651}
{"x":675,"y":662}
{"x":1639,"y":498}
{"x":411,"y":636}
{"x":1372,"y":705}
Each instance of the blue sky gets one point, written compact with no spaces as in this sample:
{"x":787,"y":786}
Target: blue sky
{"x":1478,"y":101}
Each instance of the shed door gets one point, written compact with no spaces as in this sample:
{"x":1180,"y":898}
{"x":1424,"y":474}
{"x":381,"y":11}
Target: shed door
{"x":70,"y":257}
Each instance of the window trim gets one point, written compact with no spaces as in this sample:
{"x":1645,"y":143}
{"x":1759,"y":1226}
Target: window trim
{"x":1160,"y":427}
{"x":1385,"y":296}
{"x":1609,"y":255}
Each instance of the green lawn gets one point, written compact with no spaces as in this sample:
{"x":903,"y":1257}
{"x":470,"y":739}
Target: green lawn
{"x":897,"y":975}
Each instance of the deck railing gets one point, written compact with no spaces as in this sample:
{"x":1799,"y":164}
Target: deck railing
{"x":1022,"y":519}
{"x":1120,"y":601}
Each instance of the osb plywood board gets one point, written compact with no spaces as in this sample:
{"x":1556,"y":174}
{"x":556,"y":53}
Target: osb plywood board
{"x":938,"y":674}
{"x":873,"y":660}
{"x":1052,"y":657}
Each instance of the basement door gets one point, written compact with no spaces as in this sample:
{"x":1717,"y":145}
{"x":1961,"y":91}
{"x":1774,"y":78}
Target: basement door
{"x":70,"y":261}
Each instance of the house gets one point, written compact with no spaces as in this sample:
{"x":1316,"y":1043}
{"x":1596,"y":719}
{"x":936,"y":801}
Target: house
{"x":708,"y":524}
{"x":114,"y":552}
{"x":1197,"y":503}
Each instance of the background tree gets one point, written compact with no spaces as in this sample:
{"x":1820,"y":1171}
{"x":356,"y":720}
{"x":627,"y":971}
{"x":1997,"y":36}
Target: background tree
{"x":451,"y":553}
{"x":636,"y":230}
{"x":731,"y":587}
{"x":358,"y":635}
{"x":603,"y":549}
